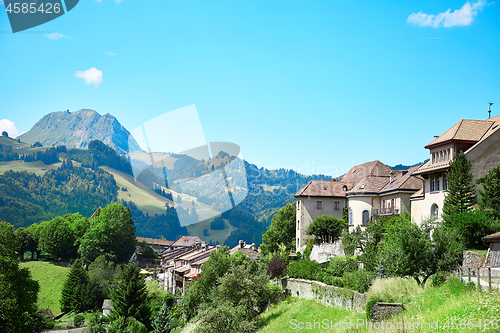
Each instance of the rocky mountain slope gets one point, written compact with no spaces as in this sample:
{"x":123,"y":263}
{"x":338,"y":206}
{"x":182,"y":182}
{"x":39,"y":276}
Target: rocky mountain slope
{"x":77,"y":129}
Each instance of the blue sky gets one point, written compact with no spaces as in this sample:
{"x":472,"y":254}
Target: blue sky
{"x":317,"y":86}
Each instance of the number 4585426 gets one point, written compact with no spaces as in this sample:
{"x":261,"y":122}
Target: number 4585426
{"x":32,"y":8}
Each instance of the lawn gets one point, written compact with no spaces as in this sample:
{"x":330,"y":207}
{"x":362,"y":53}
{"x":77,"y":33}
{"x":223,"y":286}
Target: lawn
{"x":51,"y":278}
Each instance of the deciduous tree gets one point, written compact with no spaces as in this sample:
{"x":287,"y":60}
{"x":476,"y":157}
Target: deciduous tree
{"x":281,"y":230}
{"x":326,"y":228}
{"x":18,"y":291}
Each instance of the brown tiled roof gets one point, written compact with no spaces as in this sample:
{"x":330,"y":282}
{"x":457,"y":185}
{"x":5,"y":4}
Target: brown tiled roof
{"x":199,"y":261}
{"x":418,"y":194}
{"x":369,"y":184}
{"x":404,"y":181}
{"x":493,"y":238}
{"x":153,"y":241}
{"x":464,"y":130}
{"x":428,"y":166}
{"x":495,"y":127}
{"x":317,"y":188}
{"x":191,"y":275}
{"x":182,"y":269}
{"x":187,"y":241}
{"x":373,"y":168}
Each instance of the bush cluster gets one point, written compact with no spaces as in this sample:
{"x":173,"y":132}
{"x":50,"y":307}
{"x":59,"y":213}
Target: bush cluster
{"x":340,"y":273}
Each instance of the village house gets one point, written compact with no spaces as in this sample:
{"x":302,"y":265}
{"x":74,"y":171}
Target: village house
{"x":249,"y":249}
{"x":367,"y":190}
{"x":478,"y":139}
{"x":157,"y":244}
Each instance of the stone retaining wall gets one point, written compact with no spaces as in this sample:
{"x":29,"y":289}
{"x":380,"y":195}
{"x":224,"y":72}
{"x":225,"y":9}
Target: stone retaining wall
{"x":473,"y":259}
{"x":326,"y":294}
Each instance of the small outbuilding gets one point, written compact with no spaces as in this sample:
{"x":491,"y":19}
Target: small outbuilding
{"x":107,"y":307}
{"x":493,"y":255}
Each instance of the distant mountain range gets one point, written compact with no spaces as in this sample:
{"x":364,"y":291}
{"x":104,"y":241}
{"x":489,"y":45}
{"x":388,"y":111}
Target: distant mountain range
{"x":77,"y":129}
{"x":268,"y":190}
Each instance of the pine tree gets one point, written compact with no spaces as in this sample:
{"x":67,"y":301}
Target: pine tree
{"x":461,"y":195}
{"x":130,"y":296}
{"x":74,"y":293}
{"x":161,"y":321}
{"x":491,"y":194}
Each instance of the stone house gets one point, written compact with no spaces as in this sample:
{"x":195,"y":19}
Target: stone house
{"x":478,"y":139}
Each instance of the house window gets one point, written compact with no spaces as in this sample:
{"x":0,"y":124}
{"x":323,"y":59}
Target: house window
{"x":362,"y":186}
{"x":336,"y":205}
{"x":366,"y":217}
{"x":319,"y":205}
{"x":344,"y":188}
{"x":432,"y":183}
{"x":298,"y":204}
{"x":445,"y":183}
{"x":298,"y":224}
{"x":434,"y":211}
{"x":437,"y":183}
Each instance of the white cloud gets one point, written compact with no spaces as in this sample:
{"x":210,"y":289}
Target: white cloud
{"x":459,"y":17}
{"x":9,"y":127}
{"x":90,"y":76}
{"x":118,"y":1}
{"x":56,"y":36}
{"x":111,"y":53}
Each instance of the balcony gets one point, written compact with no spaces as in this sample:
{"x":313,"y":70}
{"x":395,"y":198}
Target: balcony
{"x":385,"y":211}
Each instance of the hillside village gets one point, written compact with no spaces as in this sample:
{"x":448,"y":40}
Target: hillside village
{"x":368,"y":216}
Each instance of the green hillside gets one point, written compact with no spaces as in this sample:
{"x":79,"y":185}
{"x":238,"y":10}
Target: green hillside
{"x":51,"y":278}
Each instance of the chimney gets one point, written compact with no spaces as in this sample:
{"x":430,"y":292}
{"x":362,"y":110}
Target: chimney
{"x":436,"y":136}
{"x":242,"y":244}
{"x":391,"y":175}
{"x":254,"y":247}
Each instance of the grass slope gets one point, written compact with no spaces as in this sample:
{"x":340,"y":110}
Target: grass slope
{"x":33,"y":167}
{"x":51,"y":278}
{"x":213,"y":235}
{"x":146,"y":200}
{"x":453,"y":300}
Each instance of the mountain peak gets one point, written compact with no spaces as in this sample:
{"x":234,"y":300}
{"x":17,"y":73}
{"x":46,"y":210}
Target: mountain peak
{"x":76,"y":129}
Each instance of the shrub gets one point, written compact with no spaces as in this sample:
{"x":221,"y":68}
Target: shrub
{"x":78,"y":319}
{"x":338,"y":266}
{"x":308,"y":250}
{"x":357,"y":280}
{"x":439,"y":278}
{"x":303,"y":269}
{"x":95,"y":323}
{"x":223,"y":318}
{"x":276,"y":266}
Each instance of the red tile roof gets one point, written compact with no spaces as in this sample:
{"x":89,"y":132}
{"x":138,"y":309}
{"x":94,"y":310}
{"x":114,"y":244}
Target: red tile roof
{"x":317,"y":188}
{"x":404,"y":181}
{"x":153,"y":241}
{"x":464,"y":130}
{"x":373,"y":168}
{"x":187,"y":241}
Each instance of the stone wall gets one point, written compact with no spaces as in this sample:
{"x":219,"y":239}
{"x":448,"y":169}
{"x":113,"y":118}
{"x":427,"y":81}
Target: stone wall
{"x":381,"y":311}
{"x":327,"y":295}
{"x":325,"y":251}
{"x":473,"y":259}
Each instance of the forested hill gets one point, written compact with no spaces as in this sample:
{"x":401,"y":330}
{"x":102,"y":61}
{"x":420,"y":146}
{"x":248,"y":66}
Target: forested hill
{"x":71,"y":180}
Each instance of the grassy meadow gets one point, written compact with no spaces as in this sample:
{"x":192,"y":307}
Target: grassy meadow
{"x":51,"y":278}
{"x":452,"y":300}
{"x":213,"y":235}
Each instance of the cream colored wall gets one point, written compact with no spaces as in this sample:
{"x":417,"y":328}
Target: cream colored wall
{"x":306,"y":212}
{"x":357,"y":205}
{"x":402,"y":202}
{"x":421,"y":209}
